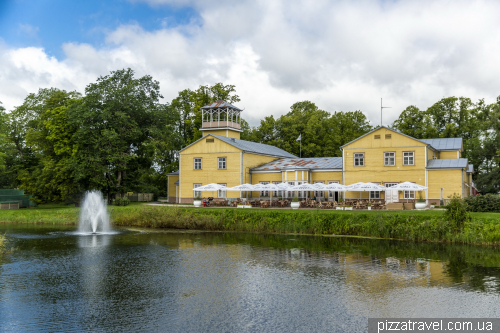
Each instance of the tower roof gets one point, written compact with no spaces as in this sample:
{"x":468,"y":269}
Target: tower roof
{"x":220,"y":104}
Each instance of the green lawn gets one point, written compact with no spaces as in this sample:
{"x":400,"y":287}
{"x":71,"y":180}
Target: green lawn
{"x":64,"y":214}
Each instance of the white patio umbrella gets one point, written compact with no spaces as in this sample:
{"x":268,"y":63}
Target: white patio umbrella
{"x":335,"y":187}
{"x":283,"y":186}
{"x":353,"y":186}
{"x":320,"y":186}
{"x":366,"y":187}
{"x":211,"y":187}
{"x":260,"y":187}
{"x":303,"y":187}
{"x":271,"y":187}
{"x":243,"y":187}
{"x":408,"y":186}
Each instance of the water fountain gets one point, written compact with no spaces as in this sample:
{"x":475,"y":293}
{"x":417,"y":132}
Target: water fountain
{"x":94,"y":217}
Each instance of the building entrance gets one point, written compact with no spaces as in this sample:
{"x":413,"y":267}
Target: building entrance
{"x":391,"y":195}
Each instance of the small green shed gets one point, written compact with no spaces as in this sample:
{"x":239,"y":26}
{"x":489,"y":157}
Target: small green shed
{"x":9,"y":196}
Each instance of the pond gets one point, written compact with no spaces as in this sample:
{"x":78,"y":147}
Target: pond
{"x":154,"y":280}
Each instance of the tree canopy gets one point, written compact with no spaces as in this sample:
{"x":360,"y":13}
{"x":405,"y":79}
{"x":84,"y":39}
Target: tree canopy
{"x":322,"y":133}
{"x":478,"y":124}
{"x":119,"y":136}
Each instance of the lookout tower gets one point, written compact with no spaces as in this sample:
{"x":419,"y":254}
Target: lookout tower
{"x":221,"y":118}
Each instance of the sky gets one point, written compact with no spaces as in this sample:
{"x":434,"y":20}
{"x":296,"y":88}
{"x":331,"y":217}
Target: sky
{"x":341,"y":55}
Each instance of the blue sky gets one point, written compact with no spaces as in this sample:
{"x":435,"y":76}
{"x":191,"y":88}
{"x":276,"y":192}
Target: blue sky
{"x":343,"y":55}
{"x":50,"y":23}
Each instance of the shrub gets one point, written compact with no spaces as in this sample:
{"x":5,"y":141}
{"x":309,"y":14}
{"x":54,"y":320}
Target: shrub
{"x":295,"y":199}
{"x":484,"y":203}
{"x":122,"y":201}
{"x":457,"y":213}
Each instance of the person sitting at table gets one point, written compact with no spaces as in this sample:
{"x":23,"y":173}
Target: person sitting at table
{"x":204,"y":202}
{"x":314,"y":198}
{"x":210,"y":199}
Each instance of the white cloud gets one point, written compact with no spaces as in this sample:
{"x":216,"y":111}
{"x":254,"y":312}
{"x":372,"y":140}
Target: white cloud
{"x":343,"y":55}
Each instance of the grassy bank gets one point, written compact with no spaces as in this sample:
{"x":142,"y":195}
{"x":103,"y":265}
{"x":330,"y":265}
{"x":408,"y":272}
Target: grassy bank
{"x":484,"y":228}
{"x":410,"y":225}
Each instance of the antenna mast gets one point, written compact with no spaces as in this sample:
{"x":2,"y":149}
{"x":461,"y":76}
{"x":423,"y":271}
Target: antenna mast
{"x":382,"y":109}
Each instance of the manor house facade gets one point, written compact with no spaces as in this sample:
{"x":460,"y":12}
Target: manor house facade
{"x":383,"y":156}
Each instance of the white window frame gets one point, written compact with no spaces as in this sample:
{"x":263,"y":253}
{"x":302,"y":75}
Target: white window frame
{"x":407,"y":155}
{"x":195,"y":186}
{"x":388,"y":158}
{"x":409,"y":194}
{"x":195,"y":162}
{"x":264,"y":193}
{"x":360,"y":158}
{"x":222,"y":193}
{"x":374,"y":194}
{"x":221,"y":160}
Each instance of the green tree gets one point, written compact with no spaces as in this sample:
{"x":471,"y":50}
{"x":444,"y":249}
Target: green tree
{"x":304,"y":117}
{"x":48,"y":135}
{"x":322,"y":133}
{"x":415,"y":123}
{"x":119,"y":124}
{"x":3,"y":137}
{"x":484,"y":150}
{"x":346,"y":127}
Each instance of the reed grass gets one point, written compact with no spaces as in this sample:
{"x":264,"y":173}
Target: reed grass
{"x":414,"y":226}
{"x":483,"y":228}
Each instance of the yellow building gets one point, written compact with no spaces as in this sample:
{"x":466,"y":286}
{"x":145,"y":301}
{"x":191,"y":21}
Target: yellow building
{"x":382,"y":156}
{"x":387,"y":157}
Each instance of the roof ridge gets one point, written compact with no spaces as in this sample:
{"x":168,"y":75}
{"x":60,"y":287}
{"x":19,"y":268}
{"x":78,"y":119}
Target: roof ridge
{"x":246,"y":145}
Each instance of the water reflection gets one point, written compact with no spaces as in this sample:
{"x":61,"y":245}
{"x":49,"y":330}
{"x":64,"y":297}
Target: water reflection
{"x":175,"y":281}
{"x":94,"y":241}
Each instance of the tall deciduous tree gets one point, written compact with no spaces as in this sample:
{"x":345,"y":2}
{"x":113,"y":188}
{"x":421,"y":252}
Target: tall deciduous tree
{"x":415,"y":123}
{"x":322,"y":133}
{"x":118,"y":123}
{"x":34,"y":160}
